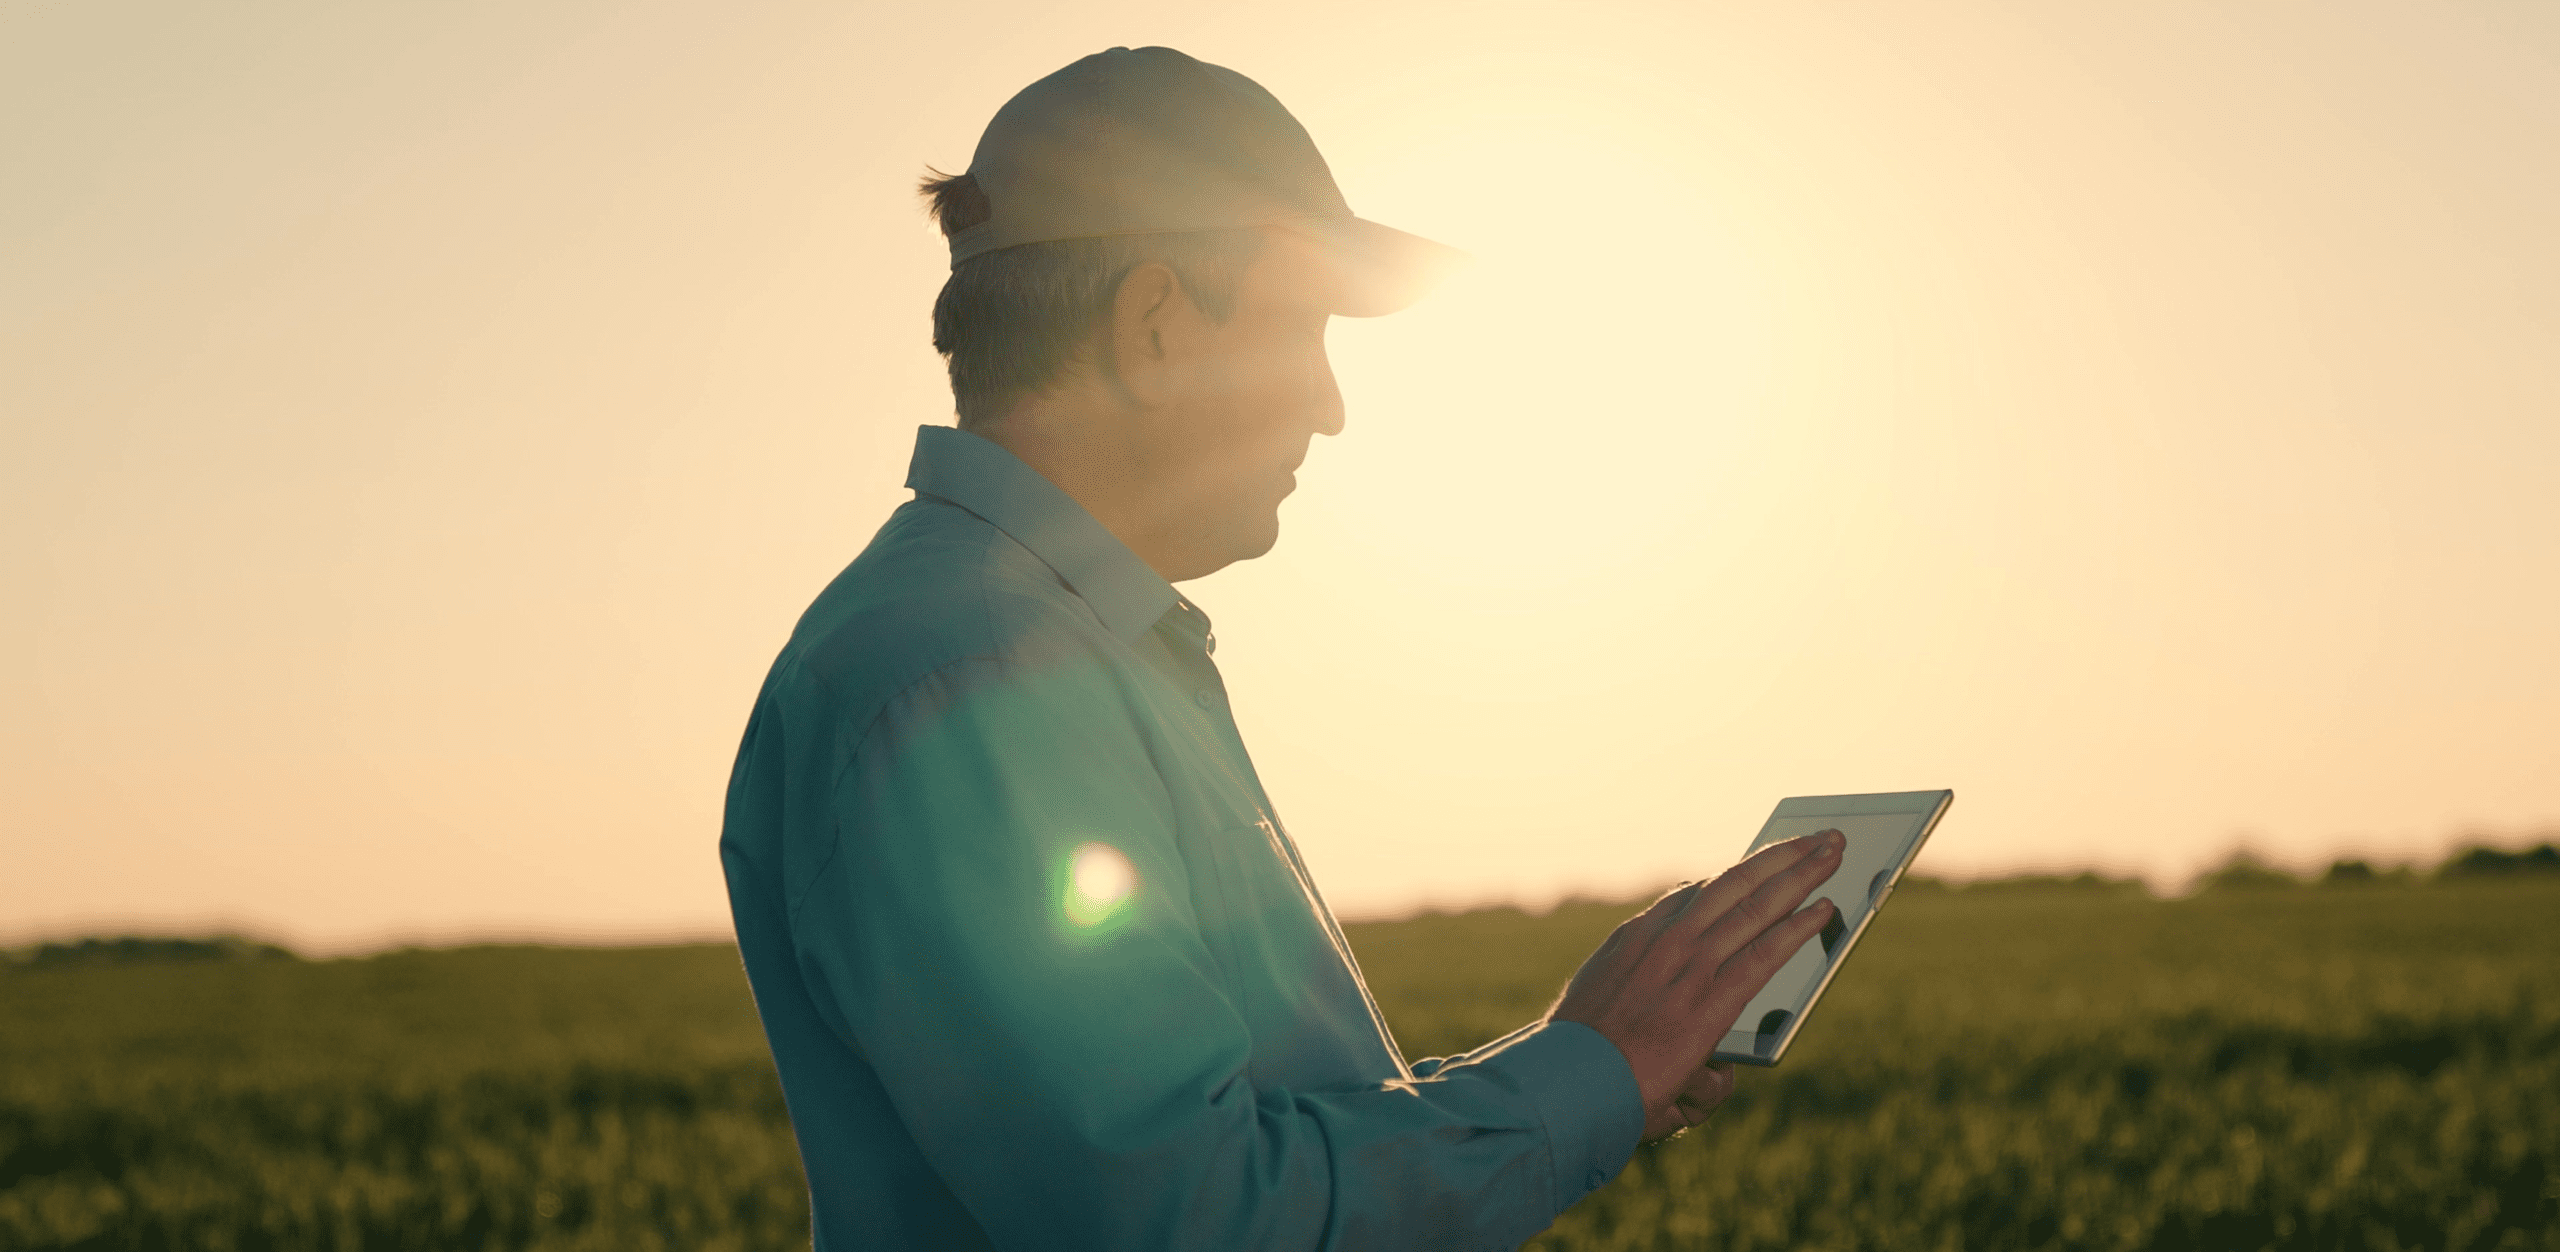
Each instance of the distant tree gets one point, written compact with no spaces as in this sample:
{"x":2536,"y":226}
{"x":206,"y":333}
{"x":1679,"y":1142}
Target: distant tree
{"x":2247,"y":871}
{"x":136,"y":949}
{"x":2085,"y":880}
{"x":2483,"y":862}
{"x":2347,"y":873}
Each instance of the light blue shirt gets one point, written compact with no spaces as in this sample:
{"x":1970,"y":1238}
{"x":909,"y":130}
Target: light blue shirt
{"x":1040,"y":966}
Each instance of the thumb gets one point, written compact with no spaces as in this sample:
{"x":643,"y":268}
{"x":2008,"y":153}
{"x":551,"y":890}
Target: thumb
{"x":1710,"y":1085}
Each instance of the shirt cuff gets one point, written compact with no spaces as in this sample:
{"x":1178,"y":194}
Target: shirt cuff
{"x":1586,"y":1097}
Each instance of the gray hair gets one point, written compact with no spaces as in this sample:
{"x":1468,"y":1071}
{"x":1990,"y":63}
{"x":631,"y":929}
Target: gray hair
{"x":1007,"y":322}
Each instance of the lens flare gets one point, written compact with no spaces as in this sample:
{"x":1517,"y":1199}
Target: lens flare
{"x":1099,"y":881}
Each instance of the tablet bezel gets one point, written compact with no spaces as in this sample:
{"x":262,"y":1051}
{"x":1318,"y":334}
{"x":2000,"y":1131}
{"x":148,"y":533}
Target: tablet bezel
{"x":1742,"y":1044}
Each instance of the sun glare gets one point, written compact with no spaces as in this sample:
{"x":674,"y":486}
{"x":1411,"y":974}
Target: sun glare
{"x":1099,"y":881}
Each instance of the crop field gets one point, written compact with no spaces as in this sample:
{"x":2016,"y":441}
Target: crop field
{"x":2339,"y":1067}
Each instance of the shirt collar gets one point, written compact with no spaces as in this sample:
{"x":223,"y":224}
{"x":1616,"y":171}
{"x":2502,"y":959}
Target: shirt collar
{"x":982,"y":477}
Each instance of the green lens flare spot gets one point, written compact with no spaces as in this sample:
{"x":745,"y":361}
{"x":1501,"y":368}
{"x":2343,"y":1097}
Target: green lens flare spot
{"x":1099,"y":881}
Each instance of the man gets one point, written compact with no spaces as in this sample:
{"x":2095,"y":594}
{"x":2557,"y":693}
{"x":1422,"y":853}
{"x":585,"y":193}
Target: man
{"x":1039,"y":965}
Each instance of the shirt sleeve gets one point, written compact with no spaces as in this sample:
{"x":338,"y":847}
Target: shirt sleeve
{"x":1003,"y":928}
{"x":1430,"y":1065}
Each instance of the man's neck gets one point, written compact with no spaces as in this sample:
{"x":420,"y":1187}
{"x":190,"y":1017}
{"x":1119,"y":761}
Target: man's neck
{"x":1087,"y":447}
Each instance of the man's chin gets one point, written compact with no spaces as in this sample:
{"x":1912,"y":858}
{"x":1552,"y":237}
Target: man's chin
{"x":1256,"y":540}
{"x":1220,"y":541}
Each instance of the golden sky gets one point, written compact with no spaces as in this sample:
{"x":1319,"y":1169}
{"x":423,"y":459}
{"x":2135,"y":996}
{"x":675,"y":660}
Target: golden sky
{"x":420,"y":425}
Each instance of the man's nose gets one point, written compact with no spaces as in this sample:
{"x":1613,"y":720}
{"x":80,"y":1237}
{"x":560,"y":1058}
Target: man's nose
{"x":1328,"y":401}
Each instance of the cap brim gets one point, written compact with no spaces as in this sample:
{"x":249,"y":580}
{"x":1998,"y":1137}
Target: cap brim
{"x":1382,"y":269}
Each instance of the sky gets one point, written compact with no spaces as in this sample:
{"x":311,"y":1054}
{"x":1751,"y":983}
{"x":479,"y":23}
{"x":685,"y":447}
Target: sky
{"x":421,"y":425}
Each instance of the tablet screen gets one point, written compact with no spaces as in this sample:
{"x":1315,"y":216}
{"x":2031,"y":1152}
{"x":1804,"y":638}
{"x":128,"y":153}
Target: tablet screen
{"x":1884,"y":831}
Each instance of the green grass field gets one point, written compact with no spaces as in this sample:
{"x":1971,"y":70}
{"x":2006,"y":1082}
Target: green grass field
{"x":2338,"y":1067}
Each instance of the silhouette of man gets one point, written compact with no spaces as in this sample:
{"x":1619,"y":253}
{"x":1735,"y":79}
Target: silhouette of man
{"x":1039,"y":964}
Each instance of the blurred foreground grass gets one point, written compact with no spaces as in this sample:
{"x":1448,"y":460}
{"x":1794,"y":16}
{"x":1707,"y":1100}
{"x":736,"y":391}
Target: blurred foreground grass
{"x":2341,"y":1067}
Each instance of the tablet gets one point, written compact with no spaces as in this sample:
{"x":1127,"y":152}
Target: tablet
{"x":1885,"y":830}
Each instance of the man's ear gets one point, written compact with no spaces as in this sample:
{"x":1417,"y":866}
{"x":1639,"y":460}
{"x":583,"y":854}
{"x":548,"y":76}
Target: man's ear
{"x":1151,"y":323}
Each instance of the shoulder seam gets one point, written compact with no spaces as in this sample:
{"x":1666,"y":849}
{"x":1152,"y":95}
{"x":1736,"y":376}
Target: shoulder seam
{"x":792,"y":904}
{"x":835,"y":824}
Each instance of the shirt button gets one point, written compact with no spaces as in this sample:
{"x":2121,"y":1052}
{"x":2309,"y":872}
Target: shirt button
{"x":1204,"y":698}
{"x":1593,"y":1181}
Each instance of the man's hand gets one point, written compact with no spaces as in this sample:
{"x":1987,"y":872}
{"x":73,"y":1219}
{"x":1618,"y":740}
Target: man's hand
{"x":1669,"y":982}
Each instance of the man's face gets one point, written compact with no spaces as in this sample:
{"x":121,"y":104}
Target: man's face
{"x":1243,"y":399}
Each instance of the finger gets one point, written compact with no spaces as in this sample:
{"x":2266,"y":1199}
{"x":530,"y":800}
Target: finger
{"x":1743,"y":974}
{"x":1716,"y":898}
{"x":1672,"y":901}
{"x":1771,"y":901}
{"x":1662,"y":913}
{"x":1709,"y":1086}
{"x":1705,"y":1091}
